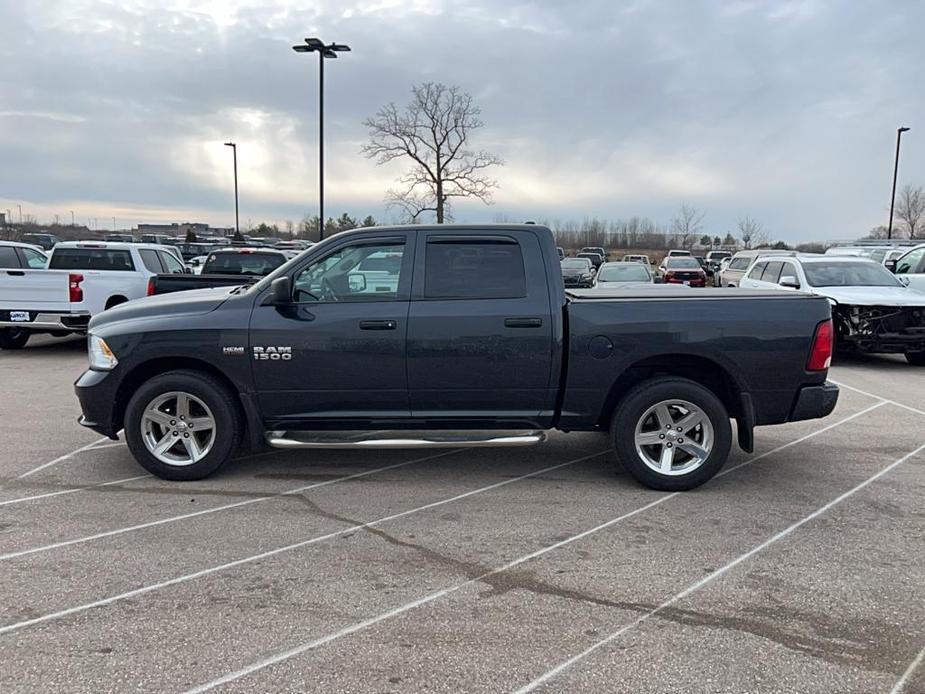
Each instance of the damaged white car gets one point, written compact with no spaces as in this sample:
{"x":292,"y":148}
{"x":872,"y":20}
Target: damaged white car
{"x":873,"y":311}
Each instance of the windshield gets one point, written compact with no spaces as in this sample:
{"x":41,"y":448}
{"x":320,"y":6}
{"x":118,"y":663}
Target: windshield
{"x":238,"y":263}
{"x":857,"y":274}
{"x":683,"y":263}
{"x":631,"y":272}
{"x":576,"y":263}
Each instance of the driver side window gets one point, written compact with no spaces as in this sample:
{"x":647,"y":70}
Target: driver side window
{"x":909,"y":262}
{"x":362,"y":272}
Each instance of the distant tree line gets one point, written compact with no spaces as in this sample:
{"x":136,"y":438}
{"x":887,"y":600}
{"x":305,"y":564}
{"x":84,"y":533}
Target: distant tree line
{"x":308,"y":228}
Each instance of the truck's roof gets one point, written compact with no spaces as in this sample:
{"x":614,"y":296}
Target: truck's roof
{"x":471,"y":228}
{"x":110,"y":245}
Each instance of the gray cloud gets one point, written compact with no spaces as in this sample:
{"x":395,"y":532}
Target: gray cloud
{"x":782,"y":110}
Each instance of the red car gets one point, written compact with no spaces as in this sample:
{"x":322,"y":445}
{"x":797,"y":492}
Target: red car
{"x":682,"y":270}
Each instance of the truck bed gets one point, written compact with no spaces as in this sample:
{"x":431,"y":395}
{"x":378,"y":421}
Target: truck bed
{"x":167,"y":284}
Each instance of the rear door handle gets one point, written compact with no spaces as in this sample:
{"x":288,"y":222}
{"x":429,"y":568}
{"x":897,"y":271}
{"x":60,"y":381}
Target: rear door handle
{"x":16,"y":273}
{"x":523,"y":322}
{"x":378,"y":324}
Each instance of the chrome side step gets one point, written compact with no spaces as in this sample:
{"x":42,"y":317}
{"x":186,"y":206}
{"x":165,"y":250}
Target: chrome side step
{"x":401,"y":439}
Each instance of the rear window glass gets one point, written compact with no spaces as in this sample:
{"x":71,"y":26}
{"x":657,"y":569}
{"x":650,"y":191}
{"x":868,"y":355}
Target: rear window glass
{"x":238,"y":263}
{"x":91,"y":259}
{"x":474,"y":270}
{"x":683,"y":263}
{"x":772,"y":271}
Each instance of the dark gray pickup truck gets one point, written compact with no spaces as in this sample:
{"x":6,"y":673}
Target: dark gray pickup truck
{"x":452,"y":336}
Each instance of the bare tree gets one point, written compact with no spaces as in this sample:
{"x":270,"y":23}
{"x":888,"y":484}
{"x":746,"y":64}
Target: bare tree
{"x":751,"y":232}
{"x":686,"y":225}
{"x":433,"y":131}
{"x":910,"y":209}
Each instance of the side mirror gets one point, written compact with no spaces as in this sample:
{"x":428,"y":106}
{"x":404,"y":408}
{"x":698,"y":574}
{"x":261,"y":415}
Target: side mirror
{"x":187,"y":270}
{"x":281,"y":291}
{"x":356,"y":283}
{"x":904,"y":279}
{"x":789,"y":281}
{"x":890,"y":265}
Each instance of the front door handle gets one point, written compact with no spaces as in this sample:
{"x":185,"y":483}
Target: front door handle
{"x":378,"y":324}
{"x":523,"y":322}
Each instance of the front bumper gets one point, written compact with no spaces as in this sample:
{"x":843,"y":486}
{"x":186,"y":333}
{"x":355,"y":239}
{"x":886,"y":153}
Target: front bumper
{"x":97,"y":391}
{"x":814,"y":402}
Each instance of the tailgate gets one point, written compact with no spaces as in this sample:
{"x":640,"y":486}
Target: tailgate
{"x":45,"y":290}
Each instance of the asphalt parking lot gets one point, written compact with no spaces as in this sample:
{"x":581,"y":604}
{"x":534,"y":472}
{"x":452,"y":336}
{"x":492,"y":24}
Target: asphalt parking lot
{"x":801,"y":568}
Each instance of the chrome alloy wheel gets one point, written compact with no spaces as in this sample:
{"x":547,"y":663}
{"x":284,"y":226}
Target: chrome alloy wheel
{"x":178,"y":428}
{"x":674,"y":437}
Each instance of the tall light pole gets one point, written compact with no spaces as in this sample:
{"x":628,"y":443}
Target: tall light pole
{"x":899,"y":134}
{"x":234,"y":152}
{"x":20,"y":213}
{"x":72,"y":218}
{"x":324,"y":51}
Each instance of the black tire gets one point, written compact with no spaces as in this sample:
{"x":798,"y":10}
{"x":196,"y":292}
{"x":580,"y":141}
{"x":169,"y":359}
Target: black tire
{"x":14,"y":338}
{"x":916,"y":358}
{"x":225,"y":410}
{"x":646,"y":395}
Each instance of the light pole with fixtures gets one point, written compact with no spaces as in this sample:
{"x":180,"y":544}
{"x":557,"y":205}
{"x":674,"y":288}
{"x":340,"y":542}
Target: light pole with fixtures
{"x":899,"y":134}
{"x":315,"y":45}
{"x":234,"y":152}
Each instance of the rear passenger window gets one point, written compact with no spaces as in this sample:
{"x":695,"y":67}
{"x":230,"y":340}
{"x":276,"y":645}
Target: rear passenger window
{"x":772,"y":272}
{"x":172,"y":264}
{"x":149,"y":258}
{"x":474,"y":269}
{"x":739,"y":263}
{"x":8,"y":257}
{"x":755,"y":274}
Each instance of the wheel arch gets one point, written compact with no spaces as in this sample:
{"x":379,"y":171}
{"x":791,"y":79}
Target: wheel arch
{"x":719,"y":379}
{"x":114,"y":300}
{"x":147,"y":370}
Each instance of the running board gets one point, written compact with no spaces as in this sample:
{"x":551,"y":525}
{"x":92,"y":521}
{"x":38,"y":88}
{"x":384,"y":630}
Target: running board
{"x":304,"y":439}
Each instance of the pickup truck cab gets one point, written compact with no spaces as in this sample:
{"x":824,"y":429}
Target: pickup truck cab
{"x":227,"y":267}
{"x":455,"y":336}
{"x":82,"y":279}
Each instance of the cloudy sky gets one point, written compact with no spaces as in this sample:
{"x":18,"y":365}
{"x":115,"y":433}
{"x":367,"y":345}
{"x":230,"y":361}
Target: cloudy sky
{"x":785,"y":111}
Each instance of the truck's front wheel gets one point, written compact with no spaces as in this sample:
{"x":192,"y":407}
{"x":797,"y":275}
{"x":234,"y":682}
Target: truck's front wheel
{"x":182,"y":425}
{"x":671,"y":433}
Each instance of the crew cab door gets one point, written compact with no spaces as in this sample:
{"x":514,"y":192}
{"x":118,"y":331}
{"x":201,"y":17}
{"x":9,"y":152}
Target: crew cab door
{"x":480,"y":330}
{"x":335,"y":355}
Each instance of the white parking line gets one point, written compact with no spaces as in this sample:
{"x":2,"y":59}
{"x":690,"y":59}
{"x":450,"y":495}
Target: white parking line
{"x":215,"y":509}
{"x":694,"y":587}
{"x":71,"y":491}
{"x":878,"y":397}
{"x":62,"y":458}
{"x":907,"y":675}
{"x":286,"y":548}
{"x":359,"y":626}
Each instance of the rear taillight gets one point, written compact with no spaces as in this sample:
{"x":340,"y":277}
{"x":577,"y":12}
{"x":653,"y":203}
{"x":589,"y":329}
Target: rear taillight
{"x":75,"y":293}
{"x":823,"y":343}
{"x":150,"y":291}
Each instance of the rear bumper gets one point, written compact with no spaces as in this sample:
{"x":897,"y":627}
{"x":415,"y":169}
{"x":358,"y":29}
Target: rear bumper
{"x":814,"y":402}
{"x":96,"y":391}
{"x":76,"y":322}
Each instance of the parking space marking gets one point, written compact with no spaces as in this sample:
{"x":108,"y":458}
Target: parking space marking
{"x":216,"y":509}
{"x":907,"y":675}
{"x":878,"y":397}
{"x":62,"y":458}
{"x":443,"y":592}
{"x":72,"y":490}
{"x":287,"y":548}
{"x":694,"y":587}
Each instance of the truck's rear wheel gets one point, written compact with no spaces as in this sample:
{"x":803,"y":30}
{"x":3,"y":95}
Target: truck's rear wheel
{"x":183,"y":425}
{"x":671,"y":433}
{"x":13,"y":338}
{"x":916,"y":358}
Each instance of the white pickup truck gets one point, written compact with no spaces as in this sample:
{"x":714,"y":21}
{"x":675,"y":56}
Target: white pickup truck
{"x":82,"y":279}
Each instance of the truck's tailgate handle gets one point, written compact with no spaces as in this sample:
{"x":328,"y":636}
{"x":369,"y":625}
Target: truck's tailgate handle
{"x":378,"y":324}
{"x":523,"y":322}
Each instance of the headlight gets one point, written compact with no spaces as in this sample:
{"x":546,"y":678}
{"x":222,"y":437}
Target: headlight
{"x":101,"y":357}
